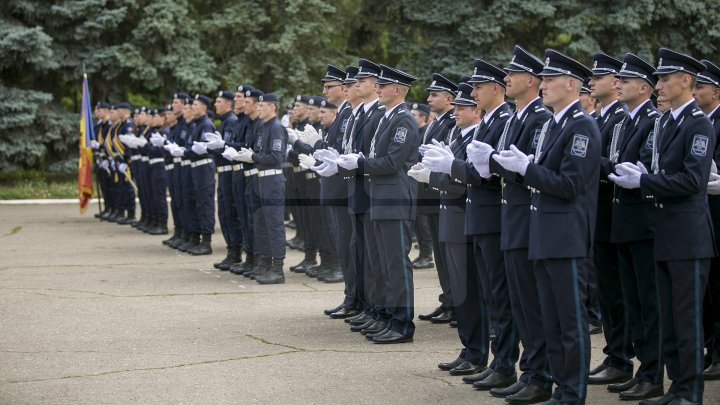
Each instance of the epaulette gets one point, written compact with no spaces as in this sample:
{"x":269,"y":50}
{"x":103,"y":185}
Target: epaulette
{"x":503,"y":114}
{"x":577,"y":114}
{"x":697,"y":113}
{"x":619,"y":110}
{"x":539,"y":109}
{"x":652,"y":113}
{"x":381,"y":107}
{"x":402,"y":111}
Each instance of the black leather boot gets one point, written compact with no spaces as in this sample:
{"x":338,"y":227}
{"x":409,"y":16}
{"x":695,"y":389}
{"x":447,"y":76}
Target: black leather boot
{"x":275,"y":275}
{"x":203,"y":247}
{"x":262,"y":266}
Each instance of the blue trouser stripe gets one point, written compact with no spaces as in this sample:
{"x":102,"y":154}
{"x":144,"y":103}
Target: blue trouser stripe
{"x":578,"y":318}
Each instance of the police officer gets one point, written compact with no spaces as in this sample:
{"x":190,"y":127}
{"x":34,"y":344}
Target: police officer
{"x":633,"y":226}
{"x":268,"y":156}
{"x":177,"y":136}
{"x":677,"y":179}
{"x":156,"y":174}
{"x":122,"y":156}
{"x":563,"y":177}
{"x":707,"y":95}
{"x":296,"y":190}
{"x":98,"y":145}
{"x":616,"y":367}
{"x":227,"y":209}
{"x":441,"y":93}
{"x":392,"y":151}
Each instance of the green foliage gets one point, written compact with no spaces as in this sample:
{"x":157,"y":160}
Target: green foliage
{"x":144,"y":50}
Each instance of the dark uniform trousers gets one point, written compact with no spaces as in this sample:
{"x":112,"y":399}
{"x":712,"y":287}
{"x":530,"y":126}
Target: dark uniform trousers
{"x":228,"y":210}
{"x":251,"y":204}
{"x":188,"y":219}
{"x":393,"y":242}
{"x":374,"y":280}
{"x":158,"y":190}
{"x":445,"y":297}
{"x":175,"y":193}
{"x":343,"y":223}
{"x":711,"y":317}
{"x":269,"y":217}
{"x":203,"y":197}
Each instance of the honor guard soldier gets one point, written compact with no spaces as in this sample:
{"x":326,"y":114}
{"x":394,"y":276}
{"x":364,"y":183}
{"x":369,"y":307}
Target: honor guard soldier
{"x":177,"y":150}
{"x":98,"y":145}
{"x":156,"y":175}
{"x":563,"y":179}
{"x":633,"y":227}
{"x":392,"y":151}
{"x":296,"y":190}
{"x":421,"y":113}
{"x":684,"y":241}
{"x":227,"y":209}
{"x":268,"y":156}
{"x":441,"y":93}
{"x":175,"y":174}
{"x":201,"y":197}
{"x":617,"y":366}
{"x":587,"y":101}
{"x":707,"y":96}
{"x":123,"y":180}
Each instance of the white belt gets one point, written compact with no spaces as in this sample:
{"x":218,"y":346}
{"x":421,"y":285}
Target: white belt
{"x":185,"y":162}
{"x":237,"y":167}
{"x":287,"y":164}
{"x":145,"y":159}
{"x":156,"y":160}
{"x":135,"y":157}
{"x":223,"y":169}
{"x":177,"y":159}
{"x":200,"y":162}
{"x":310,"y":176}
{"x":250,"y":172}
{"x":270,"y":172}
{"x":170,"y":166}
{"x":297,"y":169}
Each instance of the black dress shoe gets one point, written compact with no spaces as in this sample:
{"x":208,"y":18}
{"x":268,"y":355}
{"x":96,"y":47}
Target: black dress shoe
{"x":530,"y":394}
{"x":495,"y":380}
{"x":712,"y":372}
{"x":466,"y":368}
{"x":423,"y":263}
{"x":450,"y":365}
{"x":392,"y":337}
{"x":453,"y":324}
{"x":623,"y":386}
{"x":472,"y":379}
{"x":504,"y":392}
{"x":360,"y":320}
{"x":664,"y":400}
{"x":358,"y":328}
{"x":683,"y":401}
{"x":331,"y":310}
{"x":345,"y":312}
{"x":376,"y":327}
{"x":426,"y":317}
{"x":610,"y":375}
{"x":598,"y":369}
{"x":594,"y":329}
{"x":352,"y":319}
{"x":371,"y":336}
{"x":642,"y":390}
{"x":444,"y":317}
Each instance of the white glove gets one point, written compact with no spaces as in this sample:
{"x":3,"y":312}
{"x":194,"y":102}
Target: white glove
{"x":128,"y":140}
{"x":628,"y":175}
{"x":245,"y":155}
{"x":326,"y":169}
{"x":122,"y":167}
{"x":479,"y":152}
{"x":177,"y":151}
{"x":292,"y":135}
{"x":513,"y":160}
{"x":200,"y":148}
{"x":310,"y":136}
{"x":230,"y":153}
{"x":326,"y":155}
{"x":713,"y":168}
{"x":438,"y":159}
{"x":112,"y":164}
{"x":306,"y":161}
{"x":214,"y":140}
{"x":94,"y":144}
{"x":420,"y":173}
{"x":713,"y":187}
{"x":348,"y":162}
{"x":169,"y":147}
{"x":141,"y":141}
{"x":105,"y":165}
{"x":434,"y":145}
{"x":157,"y":140}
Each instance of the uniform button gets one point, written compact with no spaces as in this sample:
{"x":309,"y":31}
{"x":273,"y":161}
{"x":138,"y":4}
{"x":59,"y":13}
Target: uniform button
{"x":661,"y":205}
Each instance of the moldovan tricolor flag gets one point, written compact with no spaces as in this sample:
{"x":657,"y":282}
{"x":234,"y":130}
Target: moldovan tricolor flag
{"x":85,"y":188}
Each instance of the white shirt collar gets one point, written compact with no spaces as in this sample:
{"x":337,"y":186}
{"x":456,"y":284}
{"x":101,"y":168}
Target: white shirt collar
{"x":521,"y":112}
{"x":342,"y":105}
{"x":489,"y":115}
{"x":390,"y":110}
{"x":558,"y":116}
{"x":468,"y":129}
{"x":357,"y":108}
{"x":676,"y":112}
{"x":367,"y":106}
{"x":713,"y":111}
{"x":439,"y":117}
{"x":634,"y":112}
{"x":606,"y":108}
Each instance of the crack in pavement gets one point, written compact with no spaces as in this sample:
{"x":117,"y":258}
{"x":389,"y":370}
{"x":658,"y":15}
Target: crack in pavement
{"x":434,"y":378}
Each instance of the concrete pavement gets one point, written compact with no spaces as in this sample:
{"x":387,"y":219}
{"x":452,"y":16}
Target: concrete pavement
{"x":97,"y":313}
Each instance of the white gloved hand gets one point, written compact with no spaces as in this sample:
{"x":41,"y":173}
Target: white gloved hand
{"x":122,"y":167}
{"x":310,"y":136}
{"x":212,"y":136}
{"x":214,"y":140}
{"x":420,"y":173}
{"x":94,"y":144}
{"x":105,"y":165}
{"x":713,"y":167}
{"x":326,"y":169}
{"x":157,"y":140}
{"x":292,"y":135}
{"x":513,"y":160}
{"x":141,"y":141}
{"x":177,"y":151}
{"x":628,"y":175}
{"x":200,"y":148}
{"x":348,"y":162}
{"x":306,"y":161}
{"x":128,"y":140}
{"x":245,"y":155}
{"x":438,"y":159}
{"x":435,"y":145}
{"x":230,"y":153}
{"x":170,"y":146}
{"x":479,"y":152}
{"x":713,"y":187}
{"x":326,"y":155}
{"x":112,"y":164}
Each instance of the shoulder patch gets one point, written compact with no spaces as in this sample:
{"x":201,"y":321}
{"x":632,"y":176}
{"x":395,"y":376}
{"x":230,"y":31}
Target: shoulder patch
{"x":400,"y":112}
{"x":699,"y":145}
{"x":400,"y":135}
{"x":697,"y":113}
{"x":277,"y":145}
{"x":343,"y":127}
{"x":579,"y":145}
